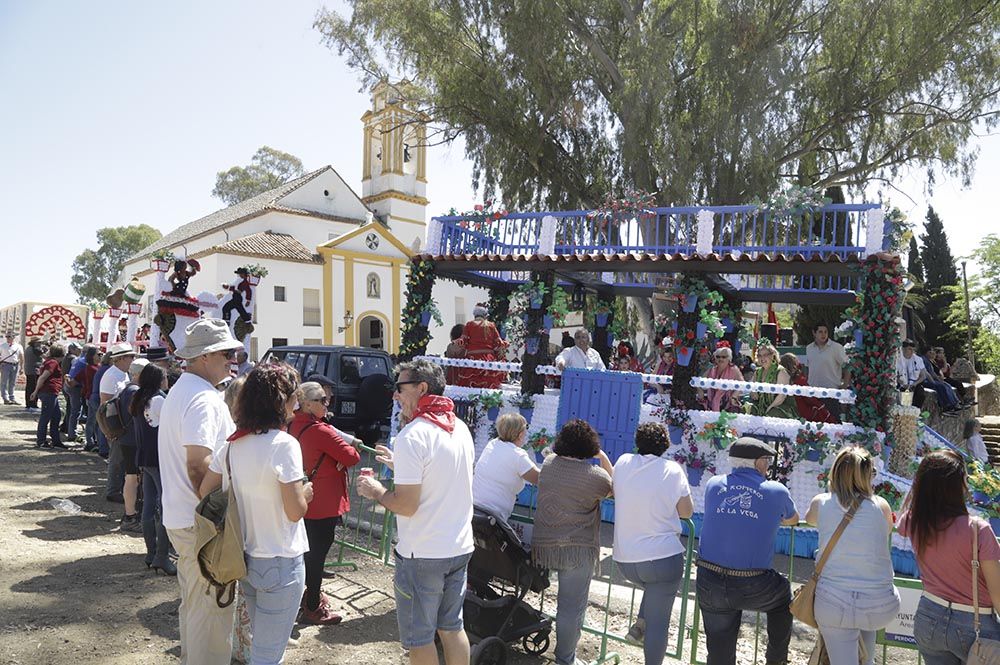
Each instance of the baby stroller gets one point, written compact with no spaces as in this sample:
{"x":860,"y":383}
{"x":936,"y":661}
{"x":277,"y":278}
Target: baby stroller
{"x":495,"y":612}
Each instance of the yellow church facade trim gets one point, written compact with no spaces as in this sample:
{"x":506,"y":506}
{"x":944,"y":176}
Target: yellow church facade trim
{"x":351,"y":259}
{"x":395,"y":194}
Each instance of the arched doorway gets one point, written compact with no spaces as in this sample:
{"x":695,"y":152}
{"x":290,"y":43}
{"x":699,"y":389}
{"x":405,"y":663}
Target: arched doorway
{"x":371,"y":331}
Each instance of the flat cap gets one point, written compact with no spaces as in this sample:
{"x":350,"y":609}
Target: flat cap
{"x":747,"y":447}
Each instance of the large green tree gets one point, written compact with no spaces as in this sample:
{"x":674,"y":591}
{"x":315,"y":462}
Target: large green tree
{"x":939,"y":275}
{"x":268,"y":168}
{"x":984,"y":309}
{"x":704,"y":101}
{"x":95,"y":270}
{"x":914,"y":265}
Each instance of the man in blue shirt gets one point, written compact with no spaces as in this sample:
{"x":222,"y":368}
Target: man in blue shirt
{"x":743,"y":511}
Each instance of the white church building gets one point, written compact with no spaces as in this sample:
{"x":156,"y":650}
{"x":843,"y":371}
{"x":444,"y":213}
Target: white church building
{"x":336,"y":262}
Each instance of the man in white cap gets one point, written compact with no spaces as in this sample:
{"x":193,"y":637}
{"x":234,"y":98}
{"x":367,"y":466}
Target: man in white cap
{"x":113,"y":382}
{"x":194,"y":424}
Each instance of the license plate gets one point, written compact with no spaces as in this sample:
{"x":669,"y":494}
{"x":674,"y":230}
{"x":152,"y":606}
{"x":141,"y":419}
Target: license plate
{"x":347,"y":408}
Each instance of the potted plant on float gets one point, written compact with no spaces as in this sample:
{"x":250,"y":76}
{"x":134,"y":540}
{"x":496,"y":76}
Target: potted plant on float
{"x":161,"y":259}
{"x":812,"y":444}
{"x":866,"y":438}
{"x":491,"y":400}
{"x":678,"y":422}
{"x":695,"y":462}
{"x":541,"y":443}
{"x":525,"y":403}
{"x":255,"y":272}
{"x":719,"y":434}
{"x":431,"y":311}
{"x":984,"y":483}
{"x":558,"y":310}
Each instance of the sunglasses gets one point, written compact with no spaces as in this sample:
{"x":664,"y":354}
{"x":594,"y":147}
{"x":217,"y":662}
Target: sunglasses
{"x":720,"y":356}
{"x":404,"y":383}
{"x":229,"y":354}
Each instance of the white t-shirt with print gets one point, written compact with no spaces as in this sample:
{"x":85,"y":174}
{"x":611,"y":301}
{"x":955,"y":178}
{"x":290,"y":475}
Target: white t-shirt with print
{"x":441,"y":463}
{"x":261,"y":463}
{"x":647,"y":489}
{"x":498,"y":476}
{"x":113,"y":381}
{"x":193,"y":414}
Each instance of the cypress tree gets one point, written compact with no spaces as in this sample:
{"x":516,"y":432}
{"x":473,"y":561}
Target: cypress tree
{"x":939,"y":272}
{"x":913,"y":263}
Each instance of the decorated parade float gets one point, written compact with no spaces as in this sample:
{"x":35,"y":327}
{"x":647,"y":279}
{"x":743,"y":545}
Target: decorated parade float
{"x":709,"y":261}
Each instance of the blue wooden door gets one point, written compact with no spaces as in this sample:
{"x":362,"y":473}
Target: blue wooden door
{"x":609,"y":401}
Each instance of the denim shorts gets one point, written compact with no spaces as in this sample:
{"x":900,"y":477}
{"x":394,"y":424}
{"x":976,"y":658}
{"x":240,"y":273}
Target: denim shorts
{"x":429,"y":597}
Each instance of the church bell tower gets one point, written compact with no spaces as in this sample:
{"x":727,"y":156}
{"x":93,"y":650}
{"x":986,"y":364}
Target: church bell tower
{"x":394,"y":184}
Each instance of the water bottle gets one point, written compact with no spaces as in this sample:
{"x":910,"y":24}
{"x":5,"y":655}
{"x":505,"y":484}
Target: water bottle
{"x":65,"y":505}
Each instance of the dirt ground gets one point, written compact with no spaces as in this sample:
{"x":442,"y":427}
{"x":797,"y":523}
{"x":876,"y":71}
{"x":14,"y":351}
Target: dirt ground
{"x":74,"y":589}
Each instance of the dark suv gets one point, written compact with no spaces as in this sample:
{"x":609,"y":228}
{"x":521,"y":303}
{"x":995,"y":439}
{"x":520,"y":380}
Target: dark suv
{"x":363,"y":384}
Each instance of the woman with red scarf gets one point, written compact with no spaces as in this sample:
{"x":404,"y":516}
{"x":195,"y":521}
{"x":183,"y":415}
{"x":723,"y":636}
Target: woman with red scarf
{"x":482,"y":341}
{"x":325,"y":458}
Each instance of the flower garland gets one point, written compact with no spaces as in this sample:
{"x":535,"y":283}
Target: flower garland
{"x":786,"y":461}
{"x":482,"y":218}
{"x":890,"y":493}
{"x":419,"y":284}
{"x":872,"y":364}
{"x":540,"y":440}
{"x":691,"y":456}
{"x":636,"y":203}
{"x":795,"y":201}
{"x":865,"y":438}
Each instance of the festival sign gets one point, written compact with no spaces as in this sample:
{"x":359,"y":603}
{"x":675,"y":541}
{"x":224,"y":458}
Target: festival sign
{"x":899,"y":632}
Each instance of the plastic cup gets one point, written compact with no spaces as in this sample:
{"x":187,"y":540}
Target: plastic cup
{"x":367,"y":472}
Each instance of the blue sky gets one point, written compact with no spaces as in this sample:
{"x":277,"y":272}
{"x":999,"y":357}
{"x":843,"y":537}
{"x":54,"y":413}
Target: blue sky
{"x":121,"y":113}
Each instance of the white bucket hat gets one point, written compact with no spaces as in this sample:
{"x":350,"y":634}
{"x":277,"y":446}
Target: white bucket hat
{"x":207,"y":336}
{"x":121,"y":349}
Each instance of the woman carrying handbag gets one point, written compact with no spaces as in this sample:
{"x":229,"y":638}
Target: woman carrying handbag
{"x":937,"y":522}
{"x":854,"y":595}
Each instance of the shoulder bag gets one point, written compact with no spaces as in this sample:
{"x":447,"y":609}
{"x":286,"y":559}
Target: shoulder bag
{"x":983,"y":651}
{"x":219,"y":540}
{"x":804,"y":600}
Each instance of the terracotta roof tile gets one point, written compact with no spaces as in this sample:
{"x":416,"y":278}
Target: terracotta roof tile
{"x":269,"y":245}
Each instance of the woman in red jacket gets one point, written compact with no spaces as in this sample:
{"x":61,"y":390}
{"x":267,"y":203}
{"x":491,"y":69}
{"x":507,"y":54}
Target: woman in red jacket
{"x":326,"y":459}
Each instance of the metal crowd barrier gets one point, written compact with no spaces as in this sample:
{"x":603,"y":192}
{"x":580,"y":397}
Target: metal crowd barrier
{"x":368,"y":529}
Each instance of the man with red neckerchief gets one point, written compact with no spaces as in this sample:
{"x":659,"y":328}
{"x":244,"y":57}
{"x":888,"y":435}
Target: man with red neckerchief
{"x":432,"y":460}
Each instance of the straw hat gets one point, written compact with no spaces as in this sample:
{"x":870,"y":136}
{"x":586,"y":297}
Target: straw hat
{"x":121,"y":349}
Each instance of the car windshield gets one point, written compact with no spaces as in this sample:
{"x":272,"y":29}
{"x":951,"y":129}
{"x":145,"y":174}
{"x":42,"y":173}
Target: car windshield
{"x":355,"y":368}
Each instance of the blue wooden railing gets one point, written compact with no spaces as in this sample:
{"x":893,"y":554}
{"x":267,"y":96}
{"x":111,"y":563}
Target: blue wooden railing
{"x":833,"y":230}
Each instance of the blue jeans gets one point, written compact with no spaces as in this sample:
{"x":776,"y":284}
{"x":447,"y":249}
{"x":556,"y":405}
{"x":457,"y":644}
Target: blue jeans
{"x":947,"y":398}
{"x":116,"y":472}
{"x":49,"y":419}
{"x":273,"y":591}
{"x":90,"y":434}
{"x":844,"y":616}
{"x":429,"y":597}
{"x":659,"y":580}
{"x":571,"y":605}
{"x":157,"y":541}
{"x":8,"y":378}
{"x":723,"y":598}
{"x":75,"y":400}
{"x":945,"y":636}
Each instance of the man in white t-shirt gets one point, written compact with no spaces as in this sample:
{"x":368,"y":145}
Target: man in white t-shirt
{"x":827,"y":363}
{"x":432,"y":499}
{"x":194,"y":424}
{"x":113,"y":381}
{"x":581,"y":354}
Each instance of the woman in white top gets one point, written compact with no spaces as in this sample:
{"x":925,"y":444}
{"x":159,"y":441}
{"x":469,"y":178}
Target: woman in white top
{"x":973,"y":442}
{"x":855,"y":595}
{"x":503,"y":467}
{"x":651,"y":497}
{"x":272,"y":494}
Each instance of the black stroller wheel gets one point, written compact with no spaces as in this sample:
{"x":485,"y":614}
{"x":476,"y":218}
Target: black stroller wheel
{"x":491,"y":651}
{"x":536,"y":643}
